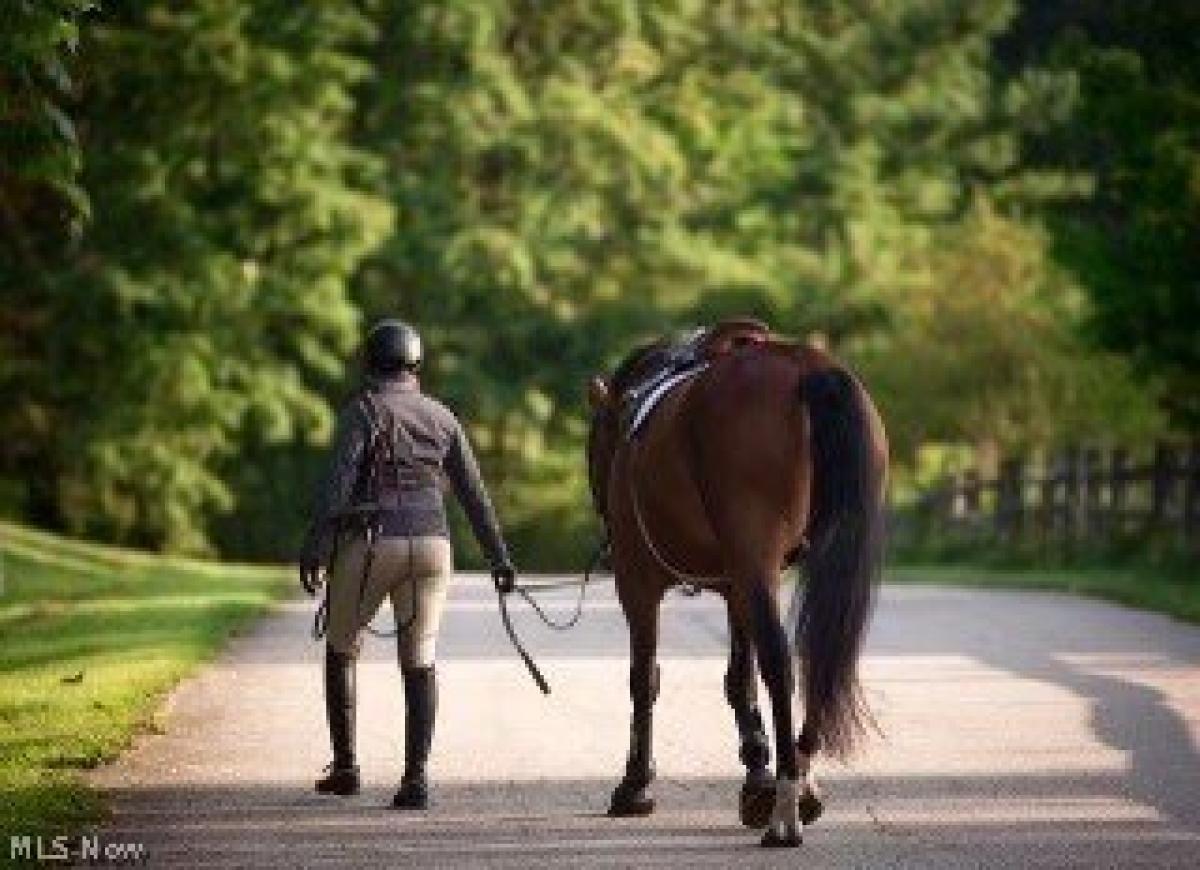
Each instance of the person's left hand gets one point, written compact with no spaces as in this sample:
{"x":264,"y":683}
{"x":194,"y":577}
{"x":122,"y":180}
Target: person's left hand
{"x":312,"y":576}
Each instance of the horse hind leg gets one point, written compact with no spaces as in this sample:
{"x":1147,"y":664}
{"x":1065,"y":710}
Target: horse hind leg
{"x":757,"y":796}
{"x":775,"y":660}
{"x":810,"y":802}
{"x":631,"y":796}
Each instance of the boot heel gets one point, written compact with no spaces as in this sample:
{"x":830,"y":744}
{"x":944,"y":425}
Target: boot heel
{"x":341,"y":781}
{"x":412,"y":795}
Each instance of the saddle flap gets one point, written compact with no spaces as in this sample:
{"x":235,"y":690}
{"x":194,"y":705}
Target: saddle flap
{"x":640,"y":410}
{"x":675,"y":363}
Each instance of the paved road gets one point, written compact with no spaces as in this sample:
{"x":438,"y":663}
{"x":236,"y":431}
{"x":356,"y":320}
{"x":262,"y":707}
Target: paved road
{"x":1019,"y":730}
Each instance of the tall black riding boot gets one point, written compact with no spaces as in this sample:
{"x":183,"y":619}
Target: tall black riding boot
{"x":342,"y":778}
{"x":420,"y":712}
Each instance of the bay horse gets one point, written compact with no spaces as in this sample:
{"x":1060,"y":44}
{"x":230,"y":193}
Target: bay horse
{"x":772,"y":454}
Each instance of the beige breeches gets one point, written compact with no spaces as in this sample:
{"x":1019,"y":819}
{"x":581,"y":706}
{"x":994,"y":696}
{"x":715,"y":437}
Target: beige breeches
{"x":413,"y":572}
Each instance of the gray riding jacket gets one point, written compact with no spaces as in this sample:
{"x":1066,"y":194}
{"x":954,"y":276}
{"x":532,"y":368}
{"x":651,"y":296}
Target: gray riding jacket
{"x":431,"y":448}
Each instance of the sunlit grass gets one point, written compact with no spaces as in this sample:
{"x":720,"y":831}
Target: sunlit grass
{"x":90,"y":639}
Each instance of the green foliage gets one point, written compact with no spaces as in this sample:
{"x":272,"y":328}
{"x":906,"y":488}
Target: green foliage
{"x":566,"y":178}
{"x":990,"y":352}
{"x":207,"y":301}
{"x":41,"y":203}
{"x":1136,"y":243}
{"x":572,"y":177}
{"x":39,"y":146}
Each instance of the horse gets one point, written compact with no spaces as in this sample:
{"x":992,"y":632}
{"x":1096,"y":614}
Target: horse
{"x":771,"y":454}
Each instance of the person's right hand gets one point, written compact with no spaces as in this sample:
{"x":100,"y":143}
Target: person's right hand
{"x":504,"y":578}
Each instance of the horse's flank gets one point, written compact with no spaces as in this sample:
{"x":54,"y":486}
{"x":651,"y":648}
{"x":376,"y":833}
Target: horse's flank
{"x":737,"y":422}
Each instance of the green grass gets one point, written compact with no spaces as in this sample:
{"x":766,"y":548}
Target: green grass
{"x":90,"y":640}
{"x":1174,"y":591}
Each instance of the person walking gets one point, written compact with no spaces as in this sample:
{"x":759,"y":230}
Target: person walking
{"x":379,"y":523}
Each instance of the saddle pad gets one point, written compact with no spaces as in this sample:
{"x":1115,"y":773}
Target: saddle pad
{"x":647,"y":405}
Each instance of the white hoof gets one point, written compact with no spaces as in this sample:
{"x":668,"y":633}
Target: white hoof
{"x":811,"y":804}
{"x":784,"y":827}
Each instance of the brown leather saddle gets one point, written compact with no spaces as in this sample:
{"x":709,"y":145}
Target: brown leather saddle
{"x":676,"y":362}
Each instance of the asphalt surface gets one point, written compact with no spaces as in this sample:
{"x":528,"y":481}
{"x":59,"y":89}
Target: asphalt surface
{"x":1018,"y":730}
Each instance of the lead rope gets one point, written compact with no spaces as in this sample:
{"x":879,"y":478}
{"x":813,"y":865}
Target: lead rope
{"x":320,"y":626}
{"x":526,"y":590}
{"x":368,"y":561}
{"x":530,"y":665}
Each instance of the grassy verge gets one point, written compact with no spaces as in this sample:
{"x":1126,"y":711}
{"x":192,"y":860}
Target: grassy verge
{"x":1174,"y":590}
{"x":90,"y":640}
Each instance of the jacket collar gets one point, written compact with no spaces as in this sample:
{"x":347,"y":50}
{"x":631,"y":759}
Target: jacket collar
{"x":405,"y":382}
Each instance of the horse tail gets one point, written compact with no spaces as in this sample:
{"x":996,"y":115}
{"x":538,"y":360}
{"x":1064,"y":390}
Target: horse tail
{"x":843,"y":560}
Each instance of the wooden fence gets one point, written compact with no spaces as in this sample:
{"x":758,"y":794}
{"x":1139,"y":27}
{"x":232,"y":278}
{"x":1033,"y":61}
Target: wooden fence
{"x":1077,"y":496}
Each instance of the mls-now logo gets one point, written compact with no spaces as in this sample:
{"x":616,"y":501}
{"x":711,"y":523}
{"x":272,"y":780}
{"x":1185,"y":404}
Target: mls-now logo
{"x":87,"y":848}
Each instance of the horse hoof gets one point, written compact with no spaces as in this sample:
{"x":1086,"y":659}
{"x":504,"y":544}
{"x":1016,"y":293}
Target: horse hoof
{"x":810,"y":807}
{"x":756,"y":804}
{"x":772,"y":840}
{"x":627,"y":803}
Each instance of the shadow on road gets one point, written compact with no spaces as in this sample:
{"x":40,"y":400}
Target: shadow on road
{"x":1087,"y":658}
{"x":509,"y":825}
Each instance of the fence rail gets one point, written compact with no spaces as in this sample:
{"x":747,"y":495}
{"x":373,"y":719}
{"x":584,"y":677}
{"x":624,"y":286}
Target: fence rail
{"x":1079,"y":495}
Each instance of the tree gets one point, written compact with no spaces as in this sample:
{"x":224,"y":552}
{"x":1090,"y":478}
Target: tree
{"x":207,"y":303}
{"x":566,"y":179}
{"x":39,"y":148}
{"x":571,"y":177}
{"x":1135,"y":244}
{"x":41,"y":201}
{"x":991,"y":355}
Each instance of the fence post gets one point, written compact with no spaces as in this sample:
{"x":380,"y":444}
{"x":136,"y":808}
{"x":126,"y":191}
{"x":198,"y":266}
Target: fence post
{"x":1119,"y":491}
{"x":1162,"y":479}
{"x":1010,"y":499}
{"x":1091,"y":484}
{"x":1047,"y":508}
{"x":957,"y":503}
{"x":1071,"y":498}
{"x":971,"y":489}
{"x":1191,"y":498}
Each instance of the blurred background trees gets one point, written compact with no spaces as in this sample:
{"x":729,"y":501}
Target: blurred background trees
{"x":42,"y":205}
{"x":205,"y":305}
{"x":1135,"y":243}
{"x":990,"y":208}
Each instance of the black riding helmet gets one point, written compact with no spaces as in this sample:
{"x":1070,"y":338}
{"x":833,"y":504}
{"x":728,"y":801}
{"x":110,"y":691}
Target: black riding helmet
{"x":392,"y":347}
